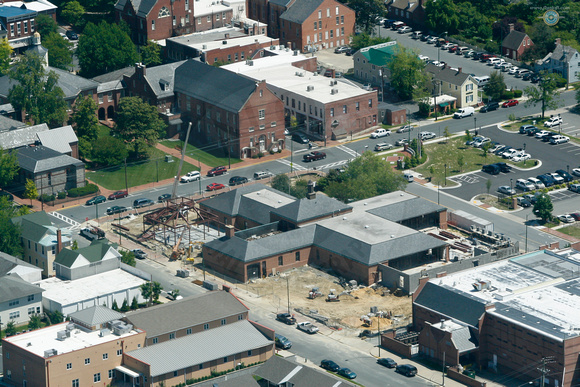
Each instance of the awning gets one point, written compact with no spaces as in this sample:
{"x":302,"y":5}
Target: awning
{"x":444,"y":104}
{"x":127,"y":371}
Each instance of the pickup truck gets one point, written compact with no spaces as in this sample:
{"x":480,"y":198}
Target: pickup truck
{"x":307,"y":327}
{"x":286,"y":318}
{"x":92,"y":233}
{"x":313,"y":156}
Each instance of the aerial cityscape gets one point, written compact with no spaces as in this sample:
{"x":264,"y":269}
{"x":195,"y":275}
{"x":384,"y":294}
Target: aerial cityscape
{"x":306,"y":193}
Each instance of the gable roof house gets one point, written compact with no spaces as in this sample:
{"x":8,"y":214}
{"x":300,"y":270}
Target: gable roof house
{"x":371,"y":63}
{"x":98,"y":257}
{"x":514,"y":45}
{"x":19,"y":300}
{"x":10,"y":265}
{"x":564,"y":60}
{"x":412,"y":12}
{"x":110,"y":90}
{"x":455,"y":83}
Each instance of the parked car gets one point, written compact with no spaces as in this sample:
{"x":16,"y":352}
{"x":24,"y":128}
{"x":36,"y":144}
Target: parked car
{"x":214,"y":186}
{"x":427,"y":135}
{"x":559,"y":139}
{"x":523,"y":202}
{"x":553,"y":121}
{"x":521,"y":157}
{"x":576,"y":215}
{"x":565,"y":175}
{"x":536,"y":78}
{"x":341,"y":49}
{"x":489,"y":107}
{"x":236,"y":180}
{"x":468,"y":54}
{"x":521,"y":72}
{"x":346,"y":372}
{"x":453,"y":48}
{"x":506,"y":190}
{"x":547,"y":180}
{"x":549,"y":136}
{"x":542,"y":133}
{"x":92,"y":233}
{"x":480,"y":141}
{"x":424,"y":58}
{"x":96,"y":200}
{"x":72,"y":35}
{"x":216,"y":171}
{"x":513,"y":70}
{"x":525,"y":128}
{"x":464,"y":112}
{"x":329,"y":365}
{"x":142,"y":202}
{"x":416,"y":34}
{"x":259,"y":175}
{"x":557,"y":178}
{"x":425,"y":37}
{"x":190,"y":176}
{"x":282,"y":341}
{"x":383,"y":146}
{"x":492,"y":169}
{"x":286,"y":318}
{"x":510,"y":103}
{"x":380,"y":133}
{"x":537,"y":183}
{"x":116,"y":210}
{"x":534,"y":131}
{"x":528,"y":76}
{"x":404,"y":30}
{"x":406,"y":369}
{"x":504,"y":167}
{"x":574,"y":188}
{"x":314,"y":156}
{"x":307,"y":327}
{"x":139,"y":254}
{"x":432,"y":40}
{"x":397,"y":24}
{"x":300,"y":138}
{"x":505,"y":66}
{"x":525,"y":185}
{"x":566,"y":218}
{"x":446,"y":46}
{"x":511,"y":153}
{"x":164,"y":197}
{"x":387,"y":362}
{"x":576,"y":171}
{"x":477,"y":55}
{"x":402,"y":141}
{"x":404,"y":129}
{"x":118,"y":195}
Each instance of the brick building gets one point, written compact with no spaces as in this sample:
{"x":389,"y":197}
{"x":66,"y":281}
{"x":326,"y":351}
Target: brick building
{"x":305,"y":24}
{"x":19,"y":25}
{"x":110,"y":90}
{"x":514,"y":45}
{"x":412,"y":12}
{"x":229,"y":111}
{"x":325,"y":108}
{"x":506,"y":316}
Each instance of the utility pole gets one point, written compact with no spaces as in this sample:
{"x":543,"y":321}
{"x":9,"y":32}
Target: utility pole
{"x":544,"y":370}
{"x":288,"y":291}
{"x":379,"y":331}
{"x":443,"y":384}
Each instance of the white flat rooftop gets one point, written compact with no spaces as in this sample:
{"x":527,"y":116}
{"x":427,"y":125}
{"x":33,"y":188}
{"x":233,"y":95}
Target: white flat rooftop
{"x":72,"y":292}
{"x":382,"y":200}
{"x":40,"y":340}
{"x":208,"y":7}
{"x":233,"y":42}
{"x":269,"y":198}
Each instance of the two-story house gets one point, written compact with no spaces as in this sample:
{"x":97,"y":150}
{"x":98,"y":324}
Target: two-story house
{"x":19,"y":300}
{"x":564,"y":60}
{"x":515,"y":43}
{"x":228,"y":110}
{"x":454,"y":82}
{"x":10,"y":265}
{"x":371,"y":63}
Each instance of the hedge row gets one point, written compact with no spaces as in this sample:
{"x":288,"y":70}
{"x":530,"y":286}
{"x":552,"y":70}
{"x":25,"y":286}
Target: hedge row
{"x":83,"y":191}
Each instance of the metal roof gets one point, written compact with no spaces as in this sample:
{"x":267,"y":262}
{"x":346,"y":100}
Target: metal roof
{"x":95,"y":315}
{"x":14,"y":287}
{"x":308,"y":209}
{"x":412,"y":208}
{"x":21,"y":136}
{"x":95,"y":252}
{"x":189,"y":312}
{"x":246,"y":380}
{"x":58,"y":139}
{"x":282,"y":371}
{"x":8,"y":262}
{"x":212,"y":344}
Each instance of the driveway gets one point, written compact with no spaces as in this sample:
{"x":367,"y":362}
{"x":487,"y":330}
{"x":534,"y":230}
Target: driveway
{"x":340,"y":62}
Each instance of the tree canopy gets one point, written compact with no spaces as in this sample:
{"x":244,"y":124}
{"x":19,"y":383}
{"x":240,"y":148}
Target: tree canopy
{"x":36,"y":92}
{"x":441,"y":16}
{"x":45,"y":25}
{"x":107,"y":151}
{"x":545,"y":93}
{"x":60,"y":53}
{"x":105,"y":47}
{"x":364,"y":177}
{"x":407,"y":73}
{"x":5,"y":53}
{"x":282,"y":183}
{"x":72,"y":12}
{"x":138,"y":125}
{"x":543,"y":207}
{"x":366,"y":12}
{"x":9,"y":232}
{"x":128,"y":257}
{"x":8,"y":167}
{"x":363,"y":40}
{"x":496,"y":85}
{"x":151,"y":54}
{"x":84,"y":119}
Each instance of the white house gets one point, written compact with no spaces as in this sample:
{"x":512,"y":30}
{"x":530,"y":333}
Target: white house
{"x":564,"y":60}
{"x":18,"y":300}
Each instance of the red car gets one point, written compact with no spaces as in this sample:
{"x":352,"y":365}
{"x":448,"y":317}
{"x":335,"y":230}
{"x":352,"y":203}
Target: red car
{"x":118,"y":195}
{"x":217,"y":171}
{"x":511,"y":102}
{"x":453,"y":48}
{"x":576,"y":216}
{"x":215,"y":186}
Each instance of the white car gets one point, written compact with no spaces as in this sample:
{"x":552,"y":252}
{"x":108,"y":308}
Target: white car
{"x":513,"y":70}
{"x":404,"y":129}
{"x":496,"y":148}
{"x":525,"y":185}
{"x":542,"y":133}
{"x":576,"y":171}
{"x":424,"y":58}
{"x":437,"y":63}
{"x":559,"y":139}
{"x":505,"y":66}
{"x":427,"y":135}
{"x":307,"y":327}
{"x":536,"y":182}
{"x":190,"y":176}
{"x":554,"y":121}
{"x":567,"y":218}
{"x":380,"y":133}
{"x":446,"y":46}
{"x":404,"y":30}
{"x":512,"y":153}
{"x":480,"y":141}
{"x":383,"y":146}
{"x":557,"y":178}
{"x":522,"y":157}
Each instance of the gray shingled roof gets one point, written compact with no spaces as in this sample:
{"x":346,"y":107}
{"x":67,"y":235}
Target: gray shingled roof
{"x":58,"y":139}
{"x":245,"y":380}
{"x":21,"y":137}
{"x":116,"y":75}
{"x":199,"y":348}
{"x":300,"y":10}
{"x":8,"y":262}
{"x":451,"y":303}
{"x":513,"y":40}
{"x":282,"y":3}
{"x":190,"y":311}
{"x":279,"y":371}
{"x":407,"y":209}
{"x":406,"y":5}
{"x":7,"y":123}
{"x":141,"y":7}
{"x":214,"y":85}
{"x":277,"y":244}
{"x":14,"y":287}
{"x":157,"y":74}
{"x":463,"y":339}
{"x":447,"y":75}
{"x":96,"y":315}
{"x":307,"y":209}
{"x":39,"y":159}
{"x":564,"y":53}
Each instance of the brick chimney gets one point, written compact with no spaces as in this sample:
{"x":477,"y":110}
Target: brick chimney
{"x":230,"y":231}
{"x":58,"y":241}
{"x":558,"y":41}
{"x":459,"y":70}
{"x":227,"y":36}
{"x":511,"y":26}
{"x":140,"y":70}
{"x":311,"y":194}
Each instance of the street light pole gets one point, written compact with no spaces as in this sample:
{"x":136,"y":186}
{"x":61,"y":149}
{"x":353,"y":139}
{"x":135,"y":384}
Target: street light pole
{"x":445,"y":182}
{"x":527,"y":232}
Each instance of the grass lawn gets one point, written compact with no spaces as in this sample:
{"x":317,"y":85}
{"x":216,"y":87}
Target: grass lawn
{"x":210,"y":158}
{"x":448,"y":153}
{"x":571,"y":230}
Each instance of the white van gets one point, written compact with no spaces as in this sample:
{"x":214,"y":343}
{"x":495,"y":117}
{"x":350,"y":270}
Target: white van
{"x":520,"y":73}
{"x":464,"y":112}
{"x":482,"y":81}
{"x":261,"y":175}
{"x":494,"y":61}
{"x":408,"y":176}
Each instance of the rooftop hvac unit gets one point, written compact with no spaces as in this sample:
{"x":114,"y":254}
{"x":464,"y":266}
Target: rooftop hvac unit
{"x":224,"y":42}
{"x":61,"y":335}
{"x":104,"y":332}
{"x":272,"y":48}
{"x":309,"y":88}
{"x":204,"y":46}
{"x":70,"y":326}
{"x":295,"y":53}
{"x":333,"y":91}
{"x":331,"y":82}
{"x":50,"y":352}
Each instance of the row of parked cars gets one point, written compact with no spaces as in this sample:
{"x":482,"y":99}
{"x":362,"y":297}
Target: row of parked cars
{"x":545,"y":135}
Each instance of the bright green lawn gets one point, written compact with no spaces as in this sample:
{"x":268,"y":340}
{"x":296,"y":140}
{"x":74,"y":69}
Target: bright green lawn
{"x":571,"y":230}
{"x":207,"y":157}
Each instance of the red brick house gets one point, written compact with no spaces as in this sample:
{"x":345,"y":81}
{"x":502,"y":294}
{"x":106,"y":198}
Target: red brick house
{"x":162,"y":19}
{"x":305,"y":24}
{"x":412,"y":12}
{"x":514,"y":45}
{"x":227,"y":108}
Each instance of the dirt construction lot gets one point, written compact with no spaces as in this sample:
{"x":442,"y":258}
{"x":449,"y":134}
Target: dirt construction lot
{"x":346,"y":313}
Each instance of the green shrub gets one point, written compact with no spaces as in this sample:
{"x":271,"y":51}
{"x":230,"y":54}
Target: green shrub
{"x":507,"y":95}
{"x":46,"y":198}
{"x":61,"y":195}
{"x":83,"y":191}
{"x":518,"y":93}
{"x":560,"y":82}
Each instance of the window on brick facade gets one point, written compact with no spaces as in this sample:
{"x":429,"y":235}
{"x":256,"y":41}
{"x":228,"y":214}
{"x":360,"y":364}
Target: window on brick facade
{"x":320,"y":36}
{"x":174,"y":21}
{"x":337,"y":10}
{"x":236,"y":57}
{"x":332,"y":112}
{"x":186,"y":5}
{"x":229,"y":57}
{"x":357,"y":106}
{"x":163,"y":12}
{"x":217,"y":17}
{"x":261,"y":114}
{"x":155,"y":340}
{"x":209,"y":19}
{"x":320,"y":14}
{"x":315,"y":26}
{"x":331,"y":34}
{"x":327,"y":12}
{"x":342,"y":19}
{"x":297,"y":255}
{"x":205,"y":327}
{"x":243,"y":54}
{"x":320,"y":24}
{"x":11,"y":29}
{"x":111,"y":374}
{"x":25,"y":27}
{"x":188,"y":331}
{"x":370,"y":102}
{"x":344,"y":109}
{"x":280,"y":261}
{"x":341,"y":31}
{"x":18,"y":28}
{"x":198,"y":20}
{"x":87,"y":361}
{"x":337,"y":20}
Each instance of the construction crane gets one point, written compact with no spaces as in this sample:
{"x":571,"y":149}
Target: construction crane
{"x":180,"y":162}
{"x":177,"y":251}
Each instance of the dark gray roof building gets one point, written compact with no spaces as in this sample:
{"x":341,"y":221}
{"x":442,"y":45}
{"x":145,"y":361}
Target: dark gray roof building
{"x":304,"y":210}
{"x":95,"y":316}
{"x":514,"y":40}
{"x":41,"y":159}
{"x":13,"y":287}
{"x":446,"y":74}
{"x":21,"y":136}
{"x":300,"y":10}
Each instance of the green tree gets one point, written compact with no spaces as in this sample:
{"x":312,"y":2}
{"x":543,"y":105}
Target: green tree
{"x":128,"y":257}
{"x":134,"y":304}
{"x":407,"y":73}
{"x":468,"y":136}
{"x":363,"y":40}
{"x":441,"y":16}
{"x":30,"y":191}
{"x":105,"y":47}
{"x":115,"y":307}
{"x":545,"y":93}
{"x":72,"y":12}
{"x":488,"y":185}
{"x":578,"y":96}
{"x":55,"y":317}
{"x":543,"y":38}
{"x":485,"y":149}
{"x":281,"y":183}
{"x":85,"y":120}
{"x":446,"y":133}
{"x":174,"y":293}
{"x":9,"y":167}
{"x":34,"y":322}
{"x":496,"y":85}
{"x":108,"y":151}
{"x":75,"y":245}
{"x":59,"y":51}
{"x":45,"y":25}
{"x":9,"y":232}
{"x":151,"y":54}
{"x":125,"y":306}
{"x":543,"y":207}
{"x":146,"y":291}
{"x":151,"y":291}
{"x":36,"y":92}
{"x":366,"y":12}
{"x":460,"y":161}
{"x":5,"y":54}
{"x":300,"y":189}
{"x":138,"y":124}
{"x":10,"y":329}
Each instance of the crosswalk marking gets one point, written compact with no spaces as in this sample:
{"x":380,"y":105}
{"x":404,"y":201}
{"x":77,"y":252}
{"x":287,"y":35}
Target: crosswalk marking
{"x":294,"y":166}
{"x":332,"y":165}
{"x":348,"y":150}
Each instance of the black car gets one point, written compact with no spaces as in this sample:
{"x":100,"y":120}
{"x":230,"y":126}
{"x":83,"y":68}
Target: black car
{"x":536,"y":78}
{"x":389,"y":23}
{"x":565,"y":175}
{"x":549,"y":136}
{"x":139,"y":254}
{"x":164,"y":197}
{"x":116,"y":210}
{"x":492,"y":169}
{"x":478,"y":55}
{"x":329,"y":365}
{"x":532,"y":132}
{"x":524,"y":129}
{"x":547,"y":180}
{"x":406,"y":369}
{"x":504,"y":167}
{"x":238,"y":180}
{"x":523,"y":202}
{"x":72,"y":35}
{"x":351,"y":52}
{"x":528,"y":76}
{"x":300,"y":138}
{"x":489,"y":107}
{"x":387,"y":362}
{"x":286,"y":318}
